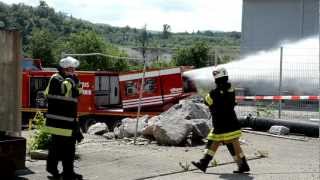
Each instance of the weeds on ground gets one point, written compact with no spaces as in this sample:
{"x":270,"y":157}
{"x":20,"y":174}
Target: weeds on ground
{"x":39,"y":138}
{"x":264,"y":110}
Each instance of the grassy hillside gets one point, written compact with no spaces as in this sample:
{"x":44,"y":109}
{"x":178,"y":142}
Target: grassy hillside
{"x":59,"y":27}
{"x":26,"y":18}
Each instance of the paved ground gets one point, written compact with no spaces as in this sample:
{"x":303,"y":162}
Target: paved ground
{"x":114,"y":160}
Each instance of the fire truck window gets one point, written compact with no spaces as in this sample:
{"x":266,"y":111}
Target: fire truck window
{"x":115,"y":91}
{"x":131,"y":88}
{"x":150,"y":85}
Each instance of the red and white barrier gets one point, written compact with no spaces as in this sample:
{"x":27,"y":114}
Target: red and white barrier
{"x":294,"y":98}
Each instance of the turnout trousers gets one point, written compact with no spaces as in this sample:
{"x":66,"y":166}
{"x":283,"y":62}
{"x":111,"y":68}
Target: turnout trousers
{"x":61,"y":148}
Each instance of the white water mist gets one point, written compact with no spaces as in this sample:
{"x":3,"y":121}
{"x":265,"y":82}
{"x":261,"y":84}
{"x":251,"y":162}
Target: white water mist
{"x":259,"y":74}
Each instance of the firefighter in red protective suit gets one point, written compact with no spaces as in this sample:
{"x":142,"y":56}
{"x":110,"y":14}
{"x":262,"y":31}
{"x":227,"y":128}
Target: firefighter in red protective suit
{"x":62,"y":92}
{"x":226,"y":128}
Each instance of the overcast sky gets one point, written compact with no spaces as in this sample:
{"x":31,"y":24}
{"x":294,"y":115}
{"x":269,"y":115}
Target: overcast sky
{"x":181,"y":15}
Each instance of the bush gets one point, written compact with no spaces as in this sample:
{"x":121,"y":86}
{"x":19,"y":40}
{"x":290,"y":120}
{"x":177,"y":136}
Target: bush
{"x":265,"y":110}
{"x":39,"y":139}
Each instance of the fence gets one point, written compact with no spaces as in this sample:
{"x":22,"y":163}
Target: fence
{"x":297,"y":108}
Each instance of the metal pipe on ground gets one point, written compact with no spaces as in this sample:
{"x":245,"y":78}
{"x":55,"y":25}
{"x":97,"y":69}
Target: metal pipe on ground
{"x":310,"y":129}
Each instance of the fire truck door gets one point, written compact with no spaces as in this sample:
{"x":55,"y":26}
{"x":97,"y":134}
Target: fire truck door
{"x":114,"y":90}
{"x":107,"y":90}
{"x":102,"y":90}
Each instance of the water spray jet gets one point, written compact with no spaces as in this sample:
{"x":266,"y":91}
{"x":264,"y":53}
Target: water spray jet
{"x":259,"y":74}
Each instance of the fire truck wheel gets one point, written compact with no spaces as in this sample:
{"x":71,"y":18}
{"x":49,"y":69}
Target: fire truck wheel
{"x":86,"y":123}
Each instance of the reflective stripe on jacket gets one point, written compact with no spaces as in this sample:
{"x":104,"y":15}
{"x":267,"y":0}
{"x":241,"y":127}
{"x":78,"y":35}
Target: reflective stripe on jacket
{"x":221,"y":102}
{"x":54,"y":76}
{"x":62,"y":107}
{"x":224,"y":136}
{"x":208,"y":100}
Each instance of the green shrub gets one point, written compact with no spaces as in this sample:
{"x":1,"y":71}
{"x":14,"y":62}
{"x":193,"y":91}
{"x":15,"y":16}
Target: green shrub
{"x":264,"y":110}
{"x":39,"y":139}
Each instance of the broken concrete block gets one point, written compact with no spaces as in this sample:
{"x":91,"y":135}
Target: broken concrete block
{"x":279,"y":130}
{"x":98,"y":129}
{"x":173,"y":131}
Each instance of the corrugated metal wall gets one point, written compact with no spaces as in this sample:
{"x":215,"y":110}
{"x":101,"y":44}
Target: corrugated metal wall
{"x":10,"y":80}
{"x":266,"y":23}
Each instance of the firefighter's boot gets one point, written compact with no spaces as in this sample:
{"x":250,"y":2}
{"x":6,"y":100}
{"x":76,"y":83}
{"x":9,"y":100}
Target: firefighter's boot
{"x":242,"y":166}
{"x":202,"y":164}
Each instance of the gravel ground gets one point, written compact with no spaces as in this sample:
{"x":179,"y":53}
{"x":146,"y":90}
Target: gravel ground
{"x":103,"y":159}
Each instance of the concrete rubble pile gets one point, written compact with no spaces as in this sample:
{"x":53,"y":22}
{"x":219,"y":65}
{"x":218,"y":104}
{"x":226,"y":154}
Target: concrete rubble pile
{"x":98,"y":129}
{"x":184,"y":123}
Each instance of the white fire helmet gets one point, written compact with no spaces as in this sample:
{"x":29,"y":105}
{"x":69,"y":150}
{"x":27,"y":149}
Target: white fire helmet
{"x":219,"y":72}
{"x":69,"y":62}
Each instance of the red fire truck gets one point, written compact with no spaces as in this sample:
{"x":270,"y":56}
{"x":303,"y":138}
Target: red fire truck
{"x":107,"y":96}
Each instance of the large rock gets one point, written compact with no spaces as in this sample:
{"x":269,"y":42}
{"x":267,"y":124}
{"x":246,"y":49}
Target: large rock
{"x":117,"y":133}
{"x":98,"y":129}
{"x":172,"y":131}
{"x":200,"y":128}
{"x":172,"y":127}
{"x":109,"y":135}
{"x":175,"y":125}
{"x":128,"y":126}
{"x":188,"y":110}
{"x":193,"y":99}
{"x":148,"y":128}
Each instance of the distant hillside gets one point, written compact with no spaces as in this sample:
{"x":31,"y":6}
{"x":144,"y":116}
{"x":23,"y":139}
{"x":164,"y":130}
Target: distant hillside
{"x":26,"y":18}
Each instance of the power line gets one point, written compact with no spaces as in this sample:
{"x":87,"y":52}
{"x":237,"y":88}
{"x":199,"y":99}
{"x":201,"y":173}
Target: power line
{"x":101,"y":54}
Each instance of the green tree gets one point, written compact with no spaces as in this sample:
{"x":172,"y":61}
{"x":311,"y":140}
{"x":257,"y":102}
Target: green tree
{"x":89,"y":42}
{"x":166,"y":31}
{"x":86,"y":42}
{"x":42,"y":45}
{"x":197,"y":55}
{"x":144,"y":40}
{"x":162,"y":64}
{"x":121,"y":62}
{"x":27,"y":18}
{"x":121,"y":65}
{"x":43,"y":9}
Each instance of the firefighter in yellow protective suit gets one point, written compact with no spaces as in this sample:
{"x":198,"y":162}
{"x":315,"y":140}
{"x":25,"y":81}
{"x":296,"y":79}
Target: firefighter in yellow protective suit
{"x":226,"y":128}
{"x":62,"y":92}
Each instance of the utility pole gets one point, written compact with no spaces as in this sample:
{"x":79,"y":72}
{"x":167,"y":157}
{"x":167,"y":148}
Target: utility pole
{"x":144,"y":41}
